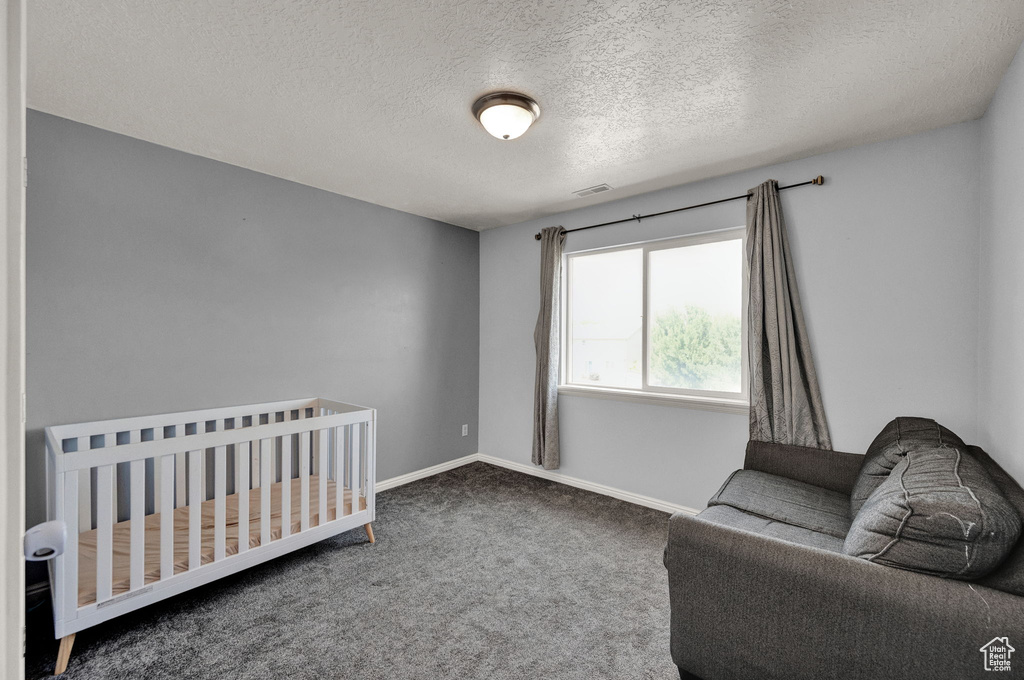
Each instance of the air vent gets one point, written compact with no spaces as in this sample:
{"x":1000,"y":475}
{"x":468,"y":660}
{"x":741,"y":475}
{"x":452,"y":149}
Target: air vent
{"x":592,"y":190}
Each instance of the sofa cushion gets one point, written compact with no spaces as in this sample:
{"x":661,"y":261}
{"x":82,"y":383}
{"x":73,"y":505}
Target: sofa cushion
{"x":737,"y":519}
{"x":885,"y":452}
{"x":938,"y":513}
{"x":786,"y":500}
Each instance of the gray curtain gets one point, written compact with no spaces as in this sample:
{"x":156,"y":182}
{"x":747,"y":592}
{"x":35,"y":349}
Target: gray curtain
{"x":547,"y":341}
{"x":785,"y":403}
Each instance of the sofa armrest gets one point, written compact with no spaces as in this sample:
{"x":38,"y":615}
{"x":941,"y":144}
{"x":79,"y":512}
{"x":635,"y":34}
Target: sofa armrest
{"x":833,"y":470}
{"x":749,"y":606}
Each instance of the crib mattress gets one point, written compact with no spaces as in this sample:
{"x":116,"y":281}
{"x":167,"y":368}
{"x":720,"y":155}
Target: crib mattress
{"x":122,"y":534}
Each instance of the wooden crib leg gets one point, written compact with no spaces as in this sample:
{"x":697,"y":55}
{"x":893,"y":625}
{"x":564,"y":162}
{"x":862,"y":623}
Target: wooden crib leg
{"x":64,"y":654}
{"x":369,"y":531}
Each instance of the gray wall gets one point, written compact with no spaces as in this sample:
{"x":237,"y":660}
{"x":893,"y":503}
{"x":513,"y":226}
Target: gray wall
{"x":1001,"y":332}
{"x":886,"y":255}
{"x":159,"y":281}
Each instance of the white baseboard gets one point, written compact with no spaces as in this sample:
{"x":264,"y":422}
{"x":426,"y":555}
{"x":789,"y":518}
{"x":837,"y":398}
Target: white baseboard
{"x":391,"y":483}
{"x":555,"y":476}
{"x":551,"y":475}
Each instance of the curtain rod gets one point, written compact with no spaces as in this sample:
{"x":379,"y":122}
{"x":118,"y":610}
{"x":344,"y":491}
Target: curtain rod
{"x":819,"y":180}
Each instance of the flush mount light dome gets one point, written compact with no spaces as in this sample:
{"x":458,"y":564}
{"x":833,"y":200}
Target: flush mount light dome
{"x":506,"y":115}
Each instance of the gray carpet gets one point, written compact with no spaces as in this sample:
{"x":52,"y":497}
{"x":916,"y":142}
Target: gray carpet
{"x":478,"y":572}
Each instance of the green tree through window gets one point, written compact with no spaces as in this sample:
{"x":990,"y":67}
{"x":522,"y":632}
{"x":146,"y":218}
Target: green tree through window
{"x":695,"y":350}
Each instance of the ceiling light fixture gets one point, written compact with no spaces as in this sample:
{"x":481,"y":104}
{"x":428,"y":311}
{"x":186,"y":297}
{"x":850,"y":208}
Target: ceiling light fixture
{"x":506,"y":115}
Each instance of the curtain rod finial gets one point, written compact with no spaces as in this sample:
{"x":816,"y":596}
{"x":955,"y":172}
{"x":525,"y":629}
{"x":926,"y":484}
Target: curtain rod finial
{"x":819,"y":180}
{"x":536,"y":237}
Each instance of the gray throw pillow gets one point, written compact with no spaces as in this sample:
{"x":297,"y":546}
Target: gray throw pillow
{"x":938,"y":513}
{"x":899,"y":436}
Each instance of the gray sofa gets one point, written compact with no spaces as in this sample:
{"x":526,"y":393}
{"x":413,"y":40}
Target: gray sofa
{"x":761,"y":587}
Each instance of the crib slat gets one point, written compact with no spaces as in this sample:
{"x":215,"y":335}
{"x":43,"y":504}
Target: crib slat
{"x":71,"y":489}
{"x":344,"y":461}
{"x":350,"y":448}
{"x":167,"y":516}
{"x":242,"y":472}
{"x":238,"y":467}
{"x":158,"y":474}
{"x":137,"y":496}
{"x":303,"y":480}
{"x":85,"y":499}
{"x":195,"y":522}
{"x":316,"y":452}
{"x":220,"y":491}
{"x":104,"y":532}
{"x":332,"y":455}
{"x":286,"y":485}
{"x":255,"y":466}
{"x":354,"y":471}
{"x":84,"y":490}
{"x":265,"y":478}
{"x":321,"y":436}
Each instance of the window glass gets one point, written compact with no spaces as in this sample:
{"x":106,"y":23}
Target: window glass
{"x":606,"y":307}
{"x":696,"y":308}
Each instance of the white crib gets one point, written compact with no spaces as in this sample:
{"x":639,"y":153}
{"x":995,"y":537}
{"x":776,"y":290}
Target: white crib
{"x":153,"y":505}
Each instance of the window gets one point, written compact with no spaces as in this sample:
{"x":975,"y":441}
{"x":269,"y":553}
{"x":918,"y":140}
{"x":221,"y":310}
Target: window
{"x":663,"y":320}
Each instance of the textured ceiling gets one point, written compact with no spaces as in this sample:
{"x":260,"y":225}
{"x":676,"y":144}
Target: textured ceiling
{"x":372,"y":99}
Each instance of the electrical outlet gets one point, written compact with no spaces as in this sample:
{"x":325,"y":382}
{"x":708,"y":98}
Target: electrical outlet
{"x":465,"y":430}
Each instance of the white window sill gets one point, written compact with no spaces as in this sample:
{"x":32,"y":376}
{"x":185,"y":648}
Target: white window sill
{"x":686,"y":401}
